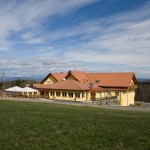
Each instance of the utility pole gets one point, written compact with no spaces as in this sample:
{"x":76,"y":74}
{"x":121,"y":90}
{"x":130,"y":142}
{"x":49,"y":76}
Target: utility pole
{"x":4,"y":83}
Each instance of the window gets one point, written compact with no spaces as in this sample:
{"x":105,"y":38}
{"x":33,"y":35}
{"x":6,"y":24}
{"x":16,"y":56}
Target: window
{"x":41,"y":93}
{"x":116,"y":93}
{"x":57,"y":93}
{"x":52,"y":93}
{"x":77,"y":95}
{"x":64,"y":94}
{"x":48,"y":82}
{"x":97,"y":81}
{"x":70,"y":94}
{"x":109,"y":93}
{"x":82,"y":95}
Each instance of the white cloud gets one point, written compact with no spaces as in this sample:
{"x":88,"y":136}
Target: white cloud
{"x":121,"y":40}
{"x":125,"y":41}
{"x":18,"y":16}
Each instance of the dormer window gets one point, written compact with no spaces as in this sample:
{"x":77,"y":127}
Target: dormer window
{"x":97,"y":81}
{"x":48,"y":82}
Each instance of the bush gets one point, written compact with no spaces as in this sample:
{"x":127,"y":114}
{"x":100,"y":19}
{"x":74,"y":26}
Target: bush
{"x":138,"y":103}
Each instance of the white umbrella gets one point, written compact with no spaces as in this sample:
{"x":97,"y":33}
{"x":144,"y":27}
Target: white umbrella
{"x":14,"y":89}
{"x":28,"y":89}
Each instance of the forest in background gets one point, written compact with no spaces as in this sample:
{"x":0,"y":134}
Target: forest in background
{"x":143,"y":92}
{"x":19,"y":82}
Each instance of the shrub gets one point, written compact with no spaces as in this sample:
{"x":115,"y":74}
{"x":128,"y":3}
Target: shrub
{"x":138,"y":103}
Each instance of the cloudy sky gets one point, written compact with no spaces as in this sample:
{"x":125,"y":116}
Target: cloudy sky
{"x":42,"y":36}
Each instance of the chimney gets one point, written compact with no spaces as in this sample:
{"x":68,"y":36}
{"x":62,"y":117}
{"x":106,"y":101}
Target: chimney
{"x":91,"y":85}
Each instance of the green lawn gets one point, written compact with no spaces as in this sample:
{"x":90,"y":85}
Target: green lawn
{"x":37,"y":126}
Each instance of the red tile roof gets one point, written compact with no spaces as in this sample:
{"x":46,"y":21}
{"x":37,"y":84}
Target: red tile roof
{"x":95,"y":88}
{"x":65,"y":85}
{"x":57,"y":76}
{"x":111,"y":79}
{"x":117,"y":79}
{"x":79,"y":75}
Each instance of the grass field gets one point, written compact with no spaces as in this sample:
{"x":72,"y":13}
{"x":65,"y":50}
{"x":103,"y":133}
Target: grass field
{"x":37,"y":126}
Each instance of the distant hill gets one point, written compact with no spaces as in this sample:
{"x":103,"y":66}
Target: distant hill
{"x":36,"y":78}
{"x":143,"y":80}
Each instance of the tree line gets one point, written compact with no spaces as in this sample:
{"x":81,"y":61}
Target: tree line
{"x":18,"y":82}
{"x":143,"y":92}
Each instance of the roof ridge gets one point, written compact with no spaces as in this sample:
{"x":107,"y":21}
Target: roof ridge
{"x":79,"y":83}
{"x":110,"y":73}
{"x":78,"y":76}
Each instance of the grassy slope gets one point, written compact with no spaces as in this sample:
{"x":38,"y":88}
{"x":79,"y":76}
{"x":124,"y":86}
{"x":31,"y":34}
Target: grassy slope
{"x":27,"y":126}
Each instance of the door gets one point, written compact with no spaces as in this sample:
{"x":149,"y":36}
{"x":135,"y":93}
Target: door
{"x":93,"y":96}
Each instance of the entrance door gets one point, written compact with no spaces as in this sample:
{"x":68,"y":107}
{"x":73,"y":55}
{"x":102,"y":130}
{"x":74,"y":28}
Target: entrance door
{"x":93,"y":96}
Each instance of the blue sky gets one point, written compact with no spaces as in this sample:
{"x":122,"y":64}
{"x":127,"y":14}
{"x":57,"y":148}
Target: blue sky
{"x":42,"y":36}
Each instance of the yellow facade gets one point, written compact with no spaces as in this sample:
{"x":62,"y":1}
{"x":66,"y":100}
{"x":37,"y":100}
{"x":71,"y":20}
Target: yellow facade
{"x":66,"y":95}
{"x":125,"y":98}
{"x":104,"y":94}
{"x":50,"y":80}
{"x":71,"y":77}
{"x":131,"y":95}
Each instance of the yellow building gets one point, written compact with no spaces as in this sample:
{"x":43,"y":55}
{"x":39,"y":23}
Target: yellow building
{"x":53,"y":77}
{"x":105,"y":88}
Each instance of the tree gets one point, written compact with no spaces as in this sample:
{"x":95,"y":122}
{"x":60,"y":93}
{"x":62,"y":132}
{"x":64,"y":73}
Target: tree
{"x":1,"y":85}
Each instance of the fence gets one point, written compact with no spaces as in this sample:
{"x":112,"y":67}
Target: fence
{"x":107,"y":101}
